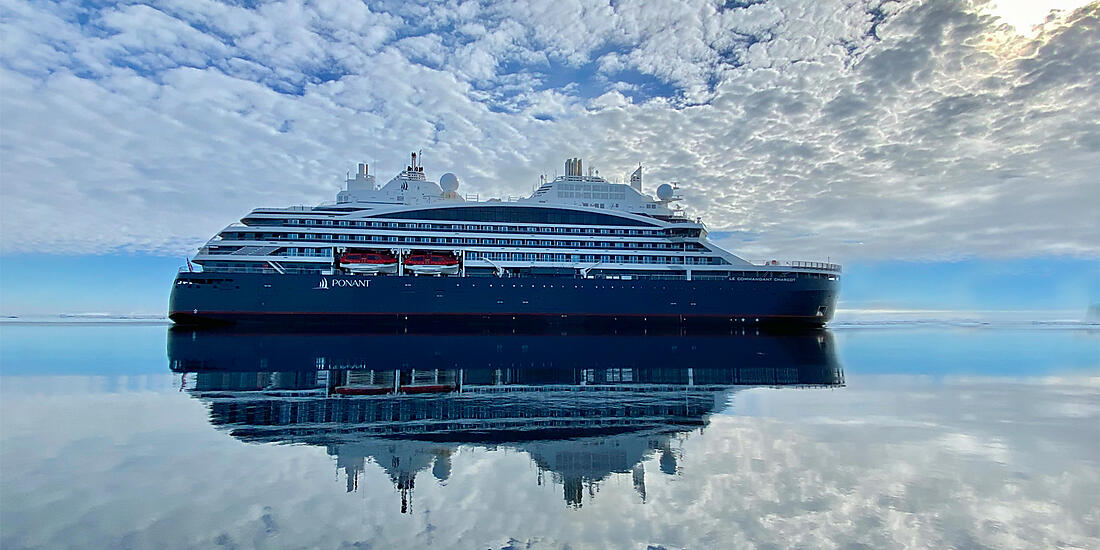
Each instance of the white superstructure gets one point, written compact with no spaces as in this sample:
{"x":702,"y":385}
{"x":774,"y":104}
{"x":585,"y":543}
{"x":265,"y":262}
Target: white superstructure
{"x":577,"y":223}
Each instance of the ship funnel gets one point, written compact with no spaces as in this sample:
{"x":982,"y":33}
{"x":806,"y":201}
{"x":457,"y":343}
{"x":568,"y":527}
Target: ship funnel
{"x":573,"y":167}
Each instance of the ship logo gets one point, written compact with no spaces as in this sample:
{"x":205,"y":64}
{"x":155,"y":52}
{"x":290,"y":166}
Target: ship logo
{"x":326,"y":284}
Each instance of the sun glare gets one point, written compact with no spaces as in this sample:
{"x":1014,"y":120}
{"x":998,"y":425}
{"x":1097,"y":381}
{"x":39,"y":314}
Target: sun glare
{"x":1026,"y":15}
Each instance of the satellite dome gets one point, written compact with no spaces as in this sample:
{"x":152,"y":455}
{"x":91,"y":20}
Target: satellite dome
{"x":449,"y":182}
{"x":664,"y":192}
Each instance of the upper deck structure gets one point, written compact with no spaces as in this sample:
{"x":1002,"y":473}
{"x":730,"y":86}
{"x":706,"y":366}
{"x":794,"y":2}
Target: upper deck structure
{"x":577,"y":224}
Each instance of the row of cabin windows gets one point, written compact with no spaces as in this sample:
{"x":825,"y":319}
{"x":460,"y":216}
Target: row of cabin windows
{"x":296,"y":251}
{"x":516,"y":214}
{"x":537,"y":257}
{"x":606,"y":258}
{"x":455,"y":227}
{"x":291,"y":267}
{"x":259,"y":267}
{"x":599,"y":187}
{"x":604,"y":196}
{"x":458,"y":240}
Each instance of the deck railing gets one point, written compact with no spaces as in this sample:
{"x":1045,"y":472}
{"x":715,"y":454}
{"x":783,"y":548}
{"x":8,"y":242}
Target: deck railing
{"x":807,"y":265}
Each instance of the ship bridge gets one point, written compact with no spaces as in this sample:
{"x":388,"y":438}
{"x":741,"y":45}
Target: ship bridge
{"x":577,"y":188}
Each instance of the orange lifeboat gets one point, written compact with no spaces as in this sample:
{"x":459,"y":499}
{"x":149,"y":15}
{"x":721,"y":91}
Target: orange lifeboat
{"x":432,"y":264}
{"x":368,"y":263}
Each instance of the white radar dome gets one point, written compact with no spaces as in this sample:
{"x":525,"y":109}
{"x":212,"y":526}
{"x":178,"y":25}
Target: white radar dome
{"x":664,"y":191}
{"x":449,"y":183}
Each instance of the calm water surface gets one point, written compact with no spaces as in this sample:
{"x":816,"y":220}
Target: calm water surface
{"x":132,"y":436}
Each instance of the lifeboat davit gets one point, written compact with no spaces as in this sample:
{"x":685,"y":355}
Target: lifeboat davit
{"x":432,"y":264}
{"x":368,"y":263}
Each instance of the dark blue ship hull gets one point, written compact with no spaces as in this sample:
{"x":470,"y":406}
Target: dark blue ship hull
{"x":536,"y":357}
{"x":241,"y":298}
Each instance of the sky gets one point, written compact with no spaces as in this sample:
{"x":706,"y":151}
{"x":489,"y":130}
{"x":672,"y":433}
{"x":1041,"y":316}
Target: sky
{"x":957,"y":140}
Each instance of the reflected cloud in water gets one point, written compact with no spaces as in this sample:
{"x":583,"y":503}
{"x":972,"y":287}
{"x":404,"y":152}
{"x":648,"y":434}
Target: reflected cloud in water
{"x":582,"y":407}
{"x":929,"y":438}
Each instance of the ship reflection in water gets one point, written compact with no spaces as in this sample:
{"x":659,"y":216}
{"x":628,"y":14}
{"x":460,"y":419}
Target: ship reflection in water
{"x":581,"y":406}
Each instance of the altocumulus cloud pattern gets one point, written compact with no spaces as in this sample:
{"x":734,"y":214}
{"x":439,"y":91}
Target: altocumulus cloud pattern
{"x":869,"y":129}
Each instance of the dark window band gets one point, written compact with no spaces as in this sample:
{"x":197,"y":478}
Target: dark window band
{"x":515,"y":214}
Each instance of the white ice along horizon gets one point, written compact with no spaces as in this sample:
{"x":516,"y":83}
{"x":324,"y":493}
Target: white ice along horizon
{"x":577,"y":223}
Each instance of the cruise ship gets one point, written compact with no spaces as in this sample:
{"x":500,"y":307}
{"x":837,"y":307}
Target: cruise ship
{"x":579,"y":249}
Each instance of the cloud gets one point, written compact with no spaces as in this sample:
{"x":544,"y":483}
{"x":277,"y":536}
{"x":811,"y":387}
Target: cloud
{"x":889,"y":461}
{"x":867,"y":130}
